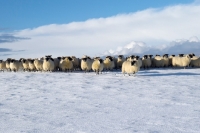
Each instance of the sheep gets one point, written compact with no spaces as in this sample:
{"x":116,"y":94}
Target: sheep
{"x":170,"y":60}
{"x":146,"y":62}
{"x":166,"y":60}
{"x":158,"y":61}
{"x":130,"y":58}
{"x":66,"y":64}
{"x":48,"y":64}
{"x":181,"y":61}
{"x":25,"y":64}
{"x":130,"y":67}
{"x":109,"y":63}
{"x":57,"y":63}
{"x":75,"y":62}
{"x":137,"y":58}
{"x":38,"y":64}
{"x":195,"y":61}
{"x":97,"y":65}
{"x":120,"y":61}
{"x":8,"y":64}
{"x":31,"y":65}
{"x":14,"y":65}
{"x":2,"y":65}
{"x":86,"y":63}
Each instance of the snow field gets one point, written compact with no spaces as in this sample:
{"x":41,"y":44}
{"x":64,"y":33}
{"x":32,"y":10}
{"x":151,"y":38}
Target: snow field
{"x":152,"y":101}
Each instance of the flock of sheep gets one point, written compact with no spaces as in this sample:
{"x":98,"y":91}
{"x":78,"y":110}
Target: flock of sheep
{"x":129,"y":65}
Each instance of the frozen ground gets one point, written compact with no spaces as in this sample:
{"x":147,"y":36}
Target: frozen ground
{"x":154,"y":101}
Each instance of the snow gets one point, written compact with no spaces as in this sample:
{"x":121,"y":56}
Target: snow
{"x":156,"y":100}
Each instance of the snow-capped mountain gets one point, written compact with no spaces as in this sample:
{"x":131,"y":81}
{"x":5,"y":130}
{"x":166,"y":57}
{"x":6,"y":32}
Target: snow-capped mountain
{"x":191,"y":45}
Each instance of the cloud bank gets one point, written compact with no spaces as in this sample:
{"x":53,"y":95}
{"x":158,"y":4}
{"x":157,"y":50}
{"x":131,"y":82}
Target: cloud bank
{"x":154,"y":27}
{"x":176,"y":47}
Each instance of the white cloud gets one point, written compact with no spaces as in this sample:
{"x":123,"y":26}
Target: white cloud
{"x":155,"y":27}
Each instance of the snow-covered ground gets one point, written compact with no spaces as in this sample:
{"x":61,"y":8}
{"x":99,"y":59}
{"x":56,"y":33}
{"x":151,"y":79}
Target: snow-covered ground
{"x":153,"y":101}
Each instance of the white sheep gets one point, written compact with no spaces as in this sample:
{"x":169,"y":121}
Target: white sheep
{"x":97,"y":65}
{"x":14,"y":65}
{"x":48,"y":64}
{"x":109,"y":63}
{"x":120,"y":61}
{"x":38,"y":64}
{"x":181,"y":61}
{"x":86,"y":63}
{"x":66,"y":64}
{"x":130,"y":67}
{"x":158,"y":61}
{"x":75,"y":61}
{"x":170,"y":60}
{"x":57,"y":63}
{"x":195,"y":61}
{"x":146,"y":62}
{"x":31,"y":65}
{"x":25,"y":64}
{"x":166,"y":60}
{"x":137,"y":58}
{"x":131,"y":58}
{"x":2,"y":65}
{"x":8,"y":64}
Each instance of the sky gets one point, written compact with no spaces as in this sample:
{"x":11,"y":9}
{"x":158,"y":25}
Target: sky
{"x":72,"y":27}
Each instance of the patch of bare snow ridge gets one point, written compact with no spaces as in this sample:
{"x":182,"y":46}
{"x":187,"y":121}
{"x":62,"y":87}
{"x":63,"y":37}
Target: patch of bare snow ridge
{"x":157,"y":100}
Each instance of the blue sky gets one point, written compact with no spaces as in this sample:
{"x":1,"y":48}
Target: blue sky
{"x":22,"y":14}
{"x":32,"y":28}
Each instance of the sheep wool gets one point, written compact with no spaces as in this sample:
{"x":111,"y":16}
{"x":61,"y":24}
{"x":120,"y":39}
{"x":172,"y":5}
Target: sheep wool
{"x":38,"y":64}
{"x":170,"y":60}
{"x":2,"y":65}
{"x":195,"y":61}
{"x":14,"y":65}
{"x":75,"y":62}
{"x":181,"y":61}
{"x":31,"y":65}
{"x":66,"y":64}
{"x":97,"y":66}
{"x":130,"y":67}
{"x":120,"y":61}
{"x":158,"y":61}
{"x":48,"y":64}
{"x":109,"y":63}
{"x":165,"y":60}
{"x":146,"y":62}
{"x":86,"y":63}
{"x":56,"y":63}
{"x":8,"y":64}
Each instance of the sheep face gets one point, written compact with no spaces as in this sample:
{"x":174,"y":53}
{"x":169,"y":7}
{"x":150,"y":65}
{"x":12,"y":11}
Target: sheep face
{"x":180,"y":55}
{"x":132,"y":56}
{"x":12,"y":61}
{"x":100,"y":60}
{"x":165,"y":55}
{"x":59,"y":58}
{"x":145,"y":56}
{"x":150,"y":56}
{"x":120,"y":56}
{"x":137,"y":57}
{"x":133,"y":63}
{"x":69,"y":58}
{"x":84,"y":59}
{"x":1,"y":61}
